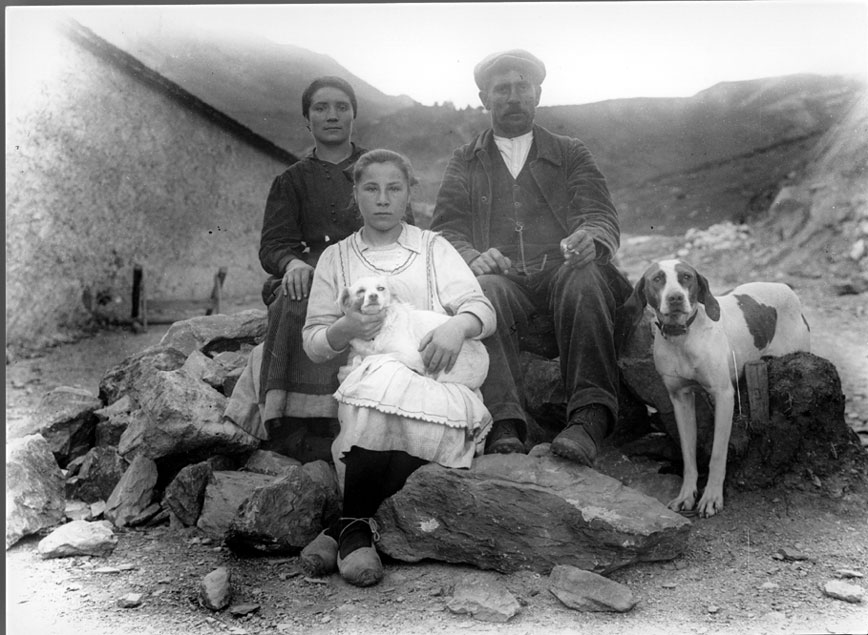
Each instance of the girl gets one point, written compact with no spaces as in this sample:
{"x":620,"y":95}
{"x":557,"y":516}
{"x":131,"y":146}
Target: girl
{"x":385,"y":433}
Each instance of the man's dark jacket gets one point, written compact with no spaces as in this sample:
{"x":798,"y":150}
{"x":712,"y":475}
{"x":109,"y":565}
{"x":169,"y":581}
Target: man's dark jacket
{"x":573,"y":186}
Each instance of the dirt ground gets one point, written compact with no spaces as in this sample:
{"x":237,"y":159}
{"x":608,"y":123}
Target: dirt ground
{"x":731,"y":579}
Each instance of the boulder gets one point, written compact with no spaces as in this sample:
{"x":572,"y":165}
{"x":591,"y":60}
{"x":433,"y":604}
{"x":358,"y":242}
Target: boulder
{"x":98,"y":476}
{"x":186,"y":493}
{"x":183,"y":416}
{"x":588,"y":591}
{"x":199,"y":365}
{"x":285,"y":515}
{"x":511,"y":512}
{"x":133,"y":374}
{"x":79,"y":538}
{"x":272,"y":463}
{"x":76,"y":510}
{"x":217,"y":333}
{"x":484,"y":599}
{"x":34,"y":488}
{"x":65,"y":418}
{"x":112,"y":420}
{"x":133,"y":493}
{"x":224,"y":495}
{"x":807,"y":432}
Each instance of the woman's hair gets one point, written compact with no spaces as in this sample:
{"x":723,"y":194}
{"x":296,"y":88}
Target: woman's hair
{"x":322,"y":82}
{"x":384,"y":156}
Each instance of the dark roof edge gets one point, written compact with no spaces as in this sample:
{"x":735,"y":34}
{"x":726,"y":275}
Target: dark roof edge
{"x":122,"y":59}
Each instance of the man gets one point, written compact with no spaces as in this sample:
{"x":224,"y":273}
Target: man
{"x":531,"y":215}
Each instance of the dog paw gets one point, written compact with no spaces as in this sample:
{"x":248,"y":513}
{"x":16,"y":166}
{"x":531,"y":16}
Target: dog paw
{"x":684,"y":503}
{"x":710,"y":504}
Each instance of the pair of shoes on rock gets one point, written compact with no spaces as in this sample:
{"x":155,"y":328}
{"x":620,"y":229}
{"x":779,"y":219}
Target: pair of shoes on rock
{"x":581,"y":439}
{"x":504,"y":439}
{"x":357,"y":558}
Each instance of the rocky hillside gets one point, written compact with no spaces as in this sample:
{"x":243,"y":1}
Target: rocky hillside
{"x":672,"y":163}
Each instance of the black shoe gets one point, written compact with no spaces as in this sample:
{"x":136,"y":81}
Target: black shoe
{"x":581,"y":439}
{"x":503,"y":438}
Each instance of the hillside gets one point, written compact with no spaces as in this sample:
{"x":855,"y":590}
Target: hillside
{"x":672,"y":163}
{"x":251,"y":79}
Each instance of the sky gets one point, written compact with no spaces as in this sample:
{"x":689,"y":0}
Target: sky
{"x":593,"y":51}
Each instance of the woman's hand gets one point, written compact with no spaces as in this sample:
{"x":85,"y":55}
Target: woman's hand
{"x":354,"y":324}
{"x":296,"y":279}
{"x":440,"y":347}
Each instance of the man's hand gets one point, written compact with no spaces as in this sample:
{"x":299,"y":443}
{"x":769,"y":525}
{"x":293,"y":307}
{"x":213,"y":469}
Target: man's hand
{"x":578,"y":249}
{"x":490,"y":261}
{"x":296,"y":280}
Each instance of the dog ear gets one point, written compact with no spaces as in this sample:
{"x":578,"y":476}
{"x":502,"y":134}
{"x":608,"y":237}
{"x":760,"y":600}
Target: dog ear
{"x":399,"y":289}
{"x":712,"y":308}
{"x":344,"y":300}
{"x":629,"y":315}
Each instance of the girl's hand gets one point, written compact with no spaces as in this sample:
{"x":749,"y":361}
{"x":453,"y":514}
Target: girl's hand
{"x":440,"y":347}
{"x":296,"y":280}
{"x":354,"y":324}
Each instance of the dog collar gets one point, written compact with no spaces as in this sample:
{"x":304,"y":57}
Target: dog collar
{"x":673,"y":330}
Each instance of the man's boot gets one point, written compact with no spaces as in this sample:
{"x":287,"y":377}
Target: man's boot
{"x":582,"y":438}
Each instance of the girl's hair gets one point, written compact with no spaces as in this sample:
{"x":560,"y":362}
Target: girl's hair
{"x":384,"y":156}
{"x":322,"y":82}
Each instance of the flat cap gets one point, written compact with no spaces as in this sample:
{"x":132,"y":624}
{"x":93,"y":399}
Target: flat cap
{"x":516,"y":59}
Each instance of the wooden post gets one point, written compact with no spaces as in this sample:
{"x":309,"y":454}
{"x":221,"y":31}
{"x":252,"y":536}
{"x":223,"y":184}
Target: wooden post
{"x":757,"y":379}
{"x":217,"y":291}
{"x":139,"y":309}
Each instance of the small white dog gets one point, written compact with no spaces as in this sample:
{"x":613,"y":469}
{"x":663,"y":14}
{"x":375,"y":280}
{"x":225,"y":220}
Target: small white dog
{"x":403,"y":329}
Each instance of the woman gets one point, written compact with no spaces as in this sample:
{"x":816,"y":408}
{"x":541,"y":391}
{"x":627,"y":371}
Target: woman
{"x":309,"y":206}
{"x":384,"y":437}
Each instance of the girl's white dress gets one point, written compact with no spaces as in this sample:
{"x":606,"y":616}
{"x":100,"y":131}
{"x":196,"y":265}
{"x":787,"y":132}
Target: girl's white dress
{"x":382,"y":404}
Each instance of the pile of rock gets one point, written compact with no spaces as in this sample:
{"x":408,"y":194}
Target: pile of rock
{"x":154,"y":447}
{"x":718,"y":237}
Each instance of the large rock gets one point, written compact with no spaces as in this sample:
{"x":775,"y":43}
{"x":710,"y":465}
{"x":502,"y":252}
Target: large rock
{"x":186,"y":493}
{"x":34,"y":488}
{"x":268,"y":462}
{"x":98,"y":476}
{"x":217,"y":333}
{"x":806,"y":433}
{"x":65,"y":418}
{"x":79,"y":538}
{"x":285,"y":515}
{"x":133,"y":374}
{"x":225,"y":493}
{"x":133,"y":493}
{"x":513,"y":512}
{"x":112,"y":421}
{"x":183,"y":417}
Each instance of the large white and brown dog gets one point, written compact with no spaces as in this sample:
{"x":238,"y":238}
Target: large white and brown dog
{"x":403,"y":329}
{"x":702,"y":341}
